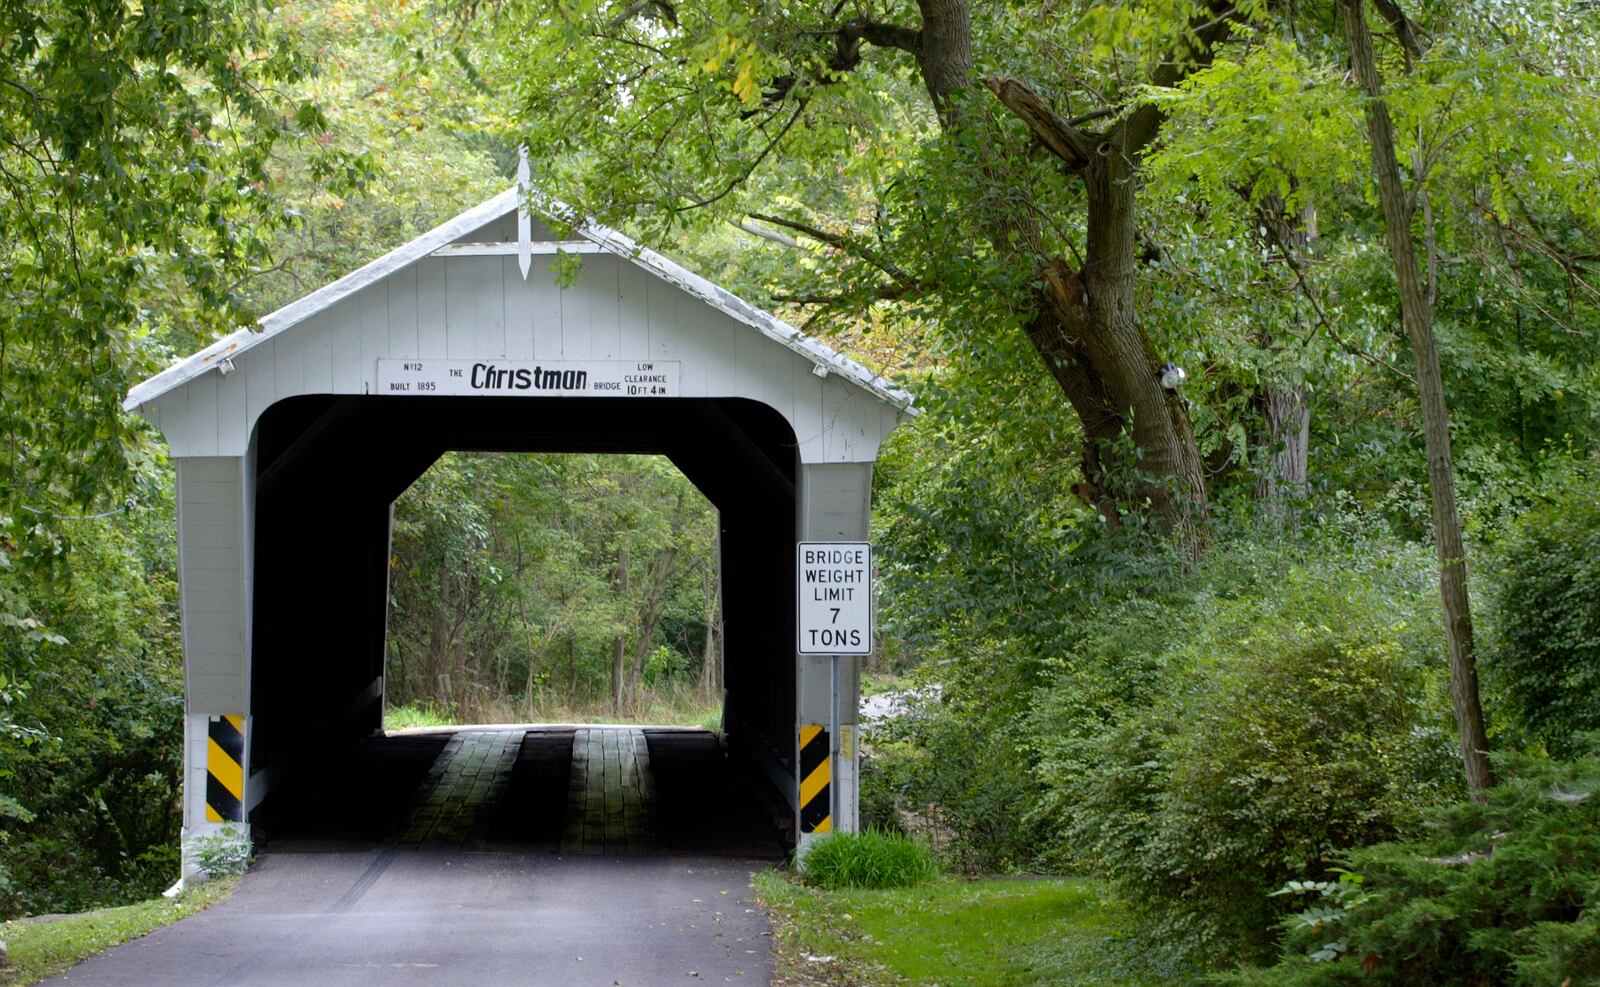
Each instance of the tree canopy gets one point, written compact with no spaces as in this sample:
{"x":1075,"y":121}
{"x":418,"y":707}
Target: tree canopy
{"x":1207,"y":305}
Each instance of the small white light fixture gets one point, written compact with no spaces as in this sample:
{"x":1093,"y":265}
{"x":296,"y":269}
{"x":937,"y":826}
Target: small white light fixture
{"x":1173,"y":376}
{"x":226,"y":366}
{"x":820,"y":370}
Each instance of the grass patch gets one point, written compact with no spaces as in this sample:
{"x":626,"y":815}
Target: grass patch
{"x":673,"y":703}
{"x":40,"y":949}
{"x":869,"y":859}
{"x":1062,"y":932}
{"x":416,"y":715}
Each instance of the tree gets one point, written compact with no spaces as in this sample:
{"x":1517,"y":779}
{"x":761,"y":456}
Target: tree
{"x":134,"y":191}
{"x":1485,"y":103}
{"x":861,"y":128}
{"x":1416,"y":314}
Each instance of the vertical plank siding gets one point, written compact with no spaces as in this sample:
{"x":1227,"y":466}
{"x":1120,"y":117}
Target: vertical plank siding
{"x":211,"y":552}
{"x":430,"y":307}
{"x":402,"y":339}
{"x":633,"y":300}
{"x":480,"y":307}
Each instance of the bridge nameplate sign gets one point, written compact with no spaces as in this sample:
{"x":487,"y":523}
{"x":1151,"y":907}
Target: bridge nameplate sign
{"x":531,"y":378}
{"x":835,"y":597}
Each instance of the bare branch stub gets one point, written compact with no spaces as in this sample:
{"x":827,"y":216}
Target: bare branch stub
{"x":1073,"y":146}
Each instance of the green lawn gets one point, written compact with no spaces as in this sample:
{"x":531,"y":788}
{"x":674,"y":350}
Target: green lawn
{"x":1064,"y":932}
{"x":40,"y":949}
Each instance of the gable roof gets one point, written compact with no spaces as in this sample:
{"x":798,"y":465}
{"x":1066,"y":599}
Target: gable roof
{"x":448,"y":232}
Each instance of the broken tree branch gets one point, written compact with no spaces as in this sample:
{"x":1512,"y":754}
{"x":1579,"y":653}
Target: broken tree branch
{"x":840,"y":242}
{"x":1074,"y":147}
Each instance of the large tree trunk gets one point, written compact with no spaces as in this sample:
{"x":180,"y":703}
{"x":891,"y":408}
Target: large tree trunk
{"x":1287,"y":439}
{"x":1086,"y":330}
{"x":1416,"y":313}
{"x":1121,"y":354}
{"x":944,"y":53}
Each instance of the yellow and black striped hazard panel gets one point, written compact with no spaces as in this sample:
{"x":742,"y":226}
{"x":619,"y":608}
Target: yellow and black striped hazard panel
{"x":225,"y":769}
{"x":816,"y":771}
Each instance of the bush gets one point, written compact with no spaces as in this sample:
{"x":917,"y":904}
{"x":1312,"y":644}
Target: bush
{"x":1507,"y":892}
{"x":1545,"y":665}
{"x":1300,"y":715}
{"x":869,"y":859}
{"x":952,"y":772}
{"x":225,"y":853}
{"x":97,"y":772}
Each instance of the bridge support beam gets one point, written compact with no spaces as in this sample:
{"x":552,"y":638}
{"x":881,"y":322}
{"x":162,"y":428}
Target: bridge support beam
{"x":215,"y":506}
{"x":833,"y":503}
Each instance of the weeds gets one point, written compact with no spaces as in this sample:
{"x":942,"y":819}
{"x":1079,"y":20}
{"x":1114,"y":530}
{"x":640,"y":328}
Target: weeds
{"x":869,"y":859}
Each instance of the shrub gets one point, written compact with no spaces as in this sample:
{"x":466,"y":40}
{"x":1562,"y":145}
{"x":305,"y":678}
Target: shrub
{"x":225,"y":853}
{"x":869,"y":859}
{"x":97,"y":770}
{"x":1545,"y":665}
{"x":1300,"y":716}
{"x":1506,"y":892}
{"x":952,"y":772}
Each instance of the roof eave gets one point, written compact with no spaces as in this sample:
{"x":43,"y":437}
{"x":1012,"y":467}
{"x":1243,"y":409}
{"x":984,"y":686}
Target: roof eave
{"x":450,"y":231}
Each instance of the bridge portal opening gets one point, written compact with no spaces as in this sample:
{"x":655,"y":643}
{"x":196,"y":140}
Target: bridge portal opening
{"x":553,"y":588}
{"x":375,"y":555}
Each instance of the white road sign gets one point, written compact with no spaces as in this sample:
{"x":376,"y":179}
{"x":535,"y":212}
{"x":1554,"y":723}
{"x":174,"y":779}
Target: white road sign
{"x":531,"y":378}
{"x":835,"y":580}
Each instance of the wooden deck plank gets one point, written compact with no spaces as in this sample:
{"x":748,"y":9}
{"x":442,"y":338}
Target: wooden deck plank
{"x":609,"y":794}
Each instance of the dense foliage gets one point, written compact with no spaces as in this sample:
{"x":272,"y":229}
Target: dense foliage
{"x":1298,"y":715}
{"x":1547,"y":660}
{"x":89,"y":776}
{"x":529,"y":587}
{"x":1502,"y":892}
{"x":135,"y":192}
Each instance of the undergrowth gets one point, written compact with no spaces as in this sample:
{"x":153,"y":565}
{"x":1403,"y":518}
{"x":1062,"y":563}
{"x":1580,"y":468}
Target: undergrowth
{"x":869,"y":859}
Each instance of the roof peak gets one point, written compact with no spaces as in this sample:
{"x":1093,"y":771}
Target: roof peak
{"x":458,"y":226}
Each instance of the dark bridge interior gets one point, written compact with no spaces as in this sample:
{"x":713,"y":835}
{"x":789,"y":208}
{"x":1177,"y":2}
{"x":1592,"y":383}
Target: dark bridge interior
{"x":330,"y":467}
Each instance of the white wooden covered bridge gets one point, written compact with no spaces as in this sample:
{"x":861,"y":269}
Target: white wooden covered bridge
{"x":293,"y":438}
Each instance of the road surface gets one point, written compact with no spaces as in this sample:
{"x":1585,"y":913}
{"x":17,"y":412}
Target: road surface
{"x":507,"y":858}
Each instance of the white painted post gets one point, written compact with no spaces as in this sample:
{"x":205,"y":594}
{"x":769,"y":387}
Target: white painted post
{"x":214,"y":502}
{"x":833,"y":503}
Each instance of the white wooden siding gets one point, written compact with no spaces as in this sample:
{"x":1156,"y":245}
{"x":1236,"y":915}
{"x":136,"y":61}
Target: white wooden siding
{"x":212,"y":584}
{"x":480,"y":307}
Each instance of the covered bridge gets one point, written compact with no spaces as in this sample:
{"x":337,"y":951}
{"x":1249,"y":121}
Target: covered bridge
{"x":292,"y":439}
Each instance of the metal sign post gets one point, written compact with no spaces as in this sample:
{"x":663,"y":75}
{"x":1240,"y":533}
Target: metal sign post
{"x":835,"y":612}
{"x":833,"y":737}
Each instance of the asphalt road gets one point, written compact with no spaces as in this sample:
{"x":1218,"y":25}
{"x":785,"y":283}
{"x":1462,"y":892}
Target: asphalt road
{"x":448,"y":918}
{"x":481,"y":861}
